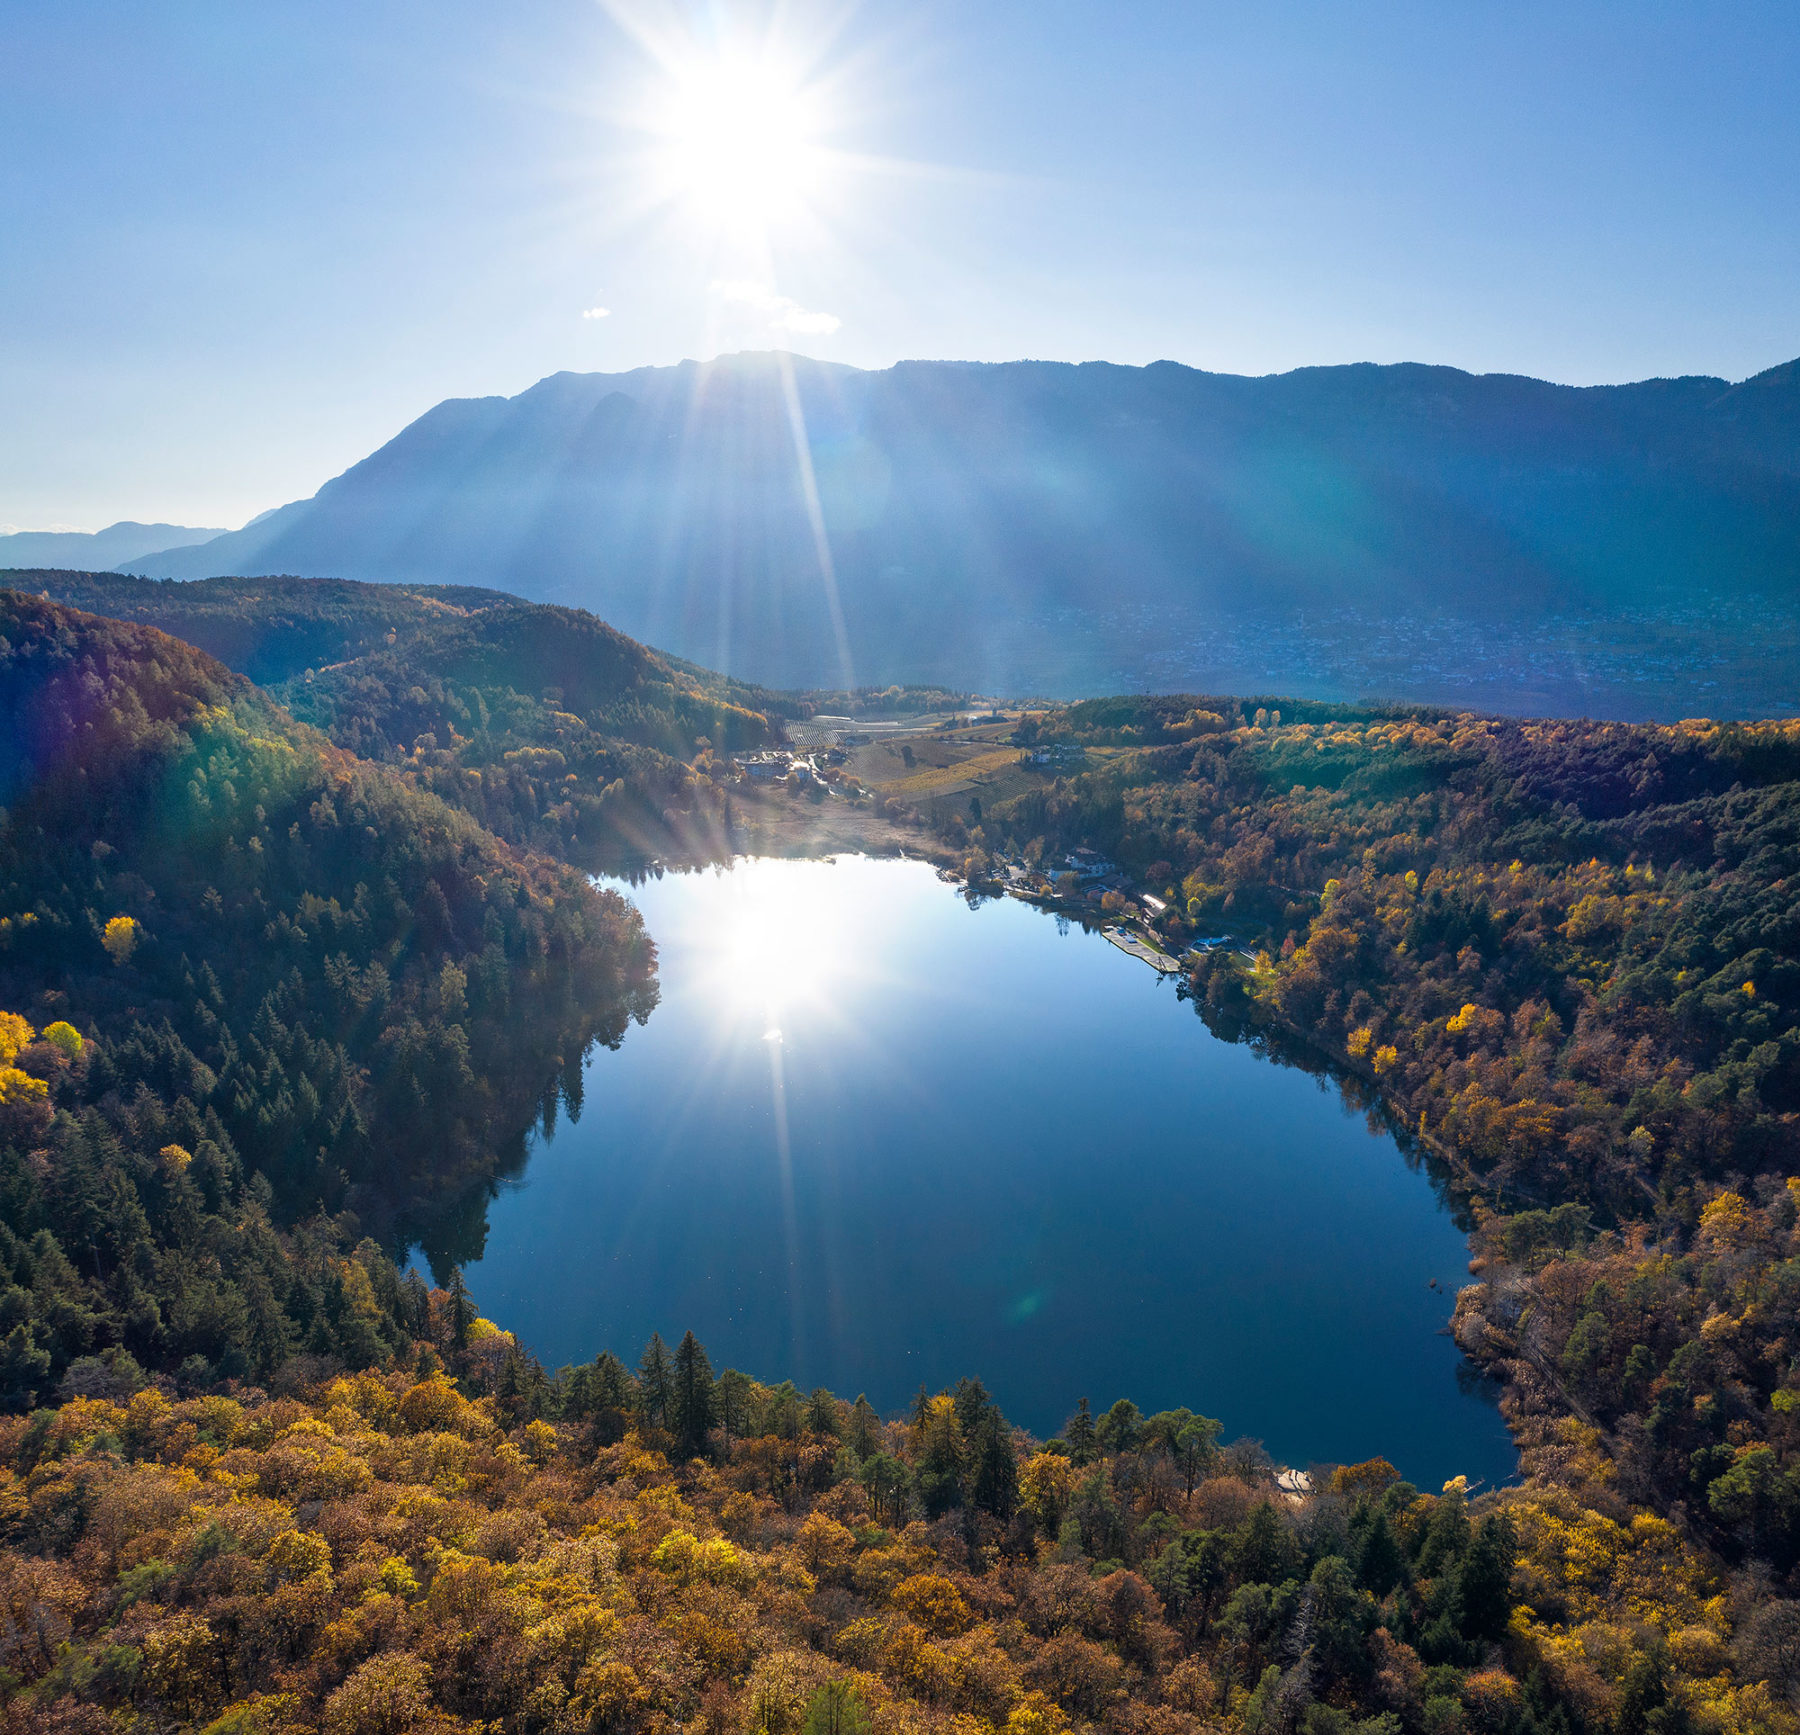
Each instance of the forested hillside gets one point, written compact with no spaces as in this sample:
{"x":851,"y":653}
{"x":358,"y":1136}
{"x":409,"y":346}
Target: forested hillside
{"x":273,"y":981}
{"x":1565,"y":957}
{"x":270,"y":629}
{"x":554,"y":731}
{"x":260,"y":997}
{"x":451,"y":1542}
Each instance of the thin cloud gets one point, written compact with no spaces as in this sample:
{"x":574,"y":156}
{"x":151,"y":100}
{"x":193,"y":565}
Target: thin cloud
{"x":596,"y":313}
{"x":780,"y":312}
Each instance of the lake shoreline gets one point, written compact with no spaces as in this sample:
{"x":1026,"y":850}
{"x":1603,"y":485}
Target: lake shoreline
{"x":855,"y":1230}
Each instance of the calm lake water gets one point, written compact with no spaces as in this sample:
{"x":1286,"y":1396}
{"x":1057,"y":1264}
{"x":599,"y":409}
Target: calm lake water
{"x":873,"y":1137}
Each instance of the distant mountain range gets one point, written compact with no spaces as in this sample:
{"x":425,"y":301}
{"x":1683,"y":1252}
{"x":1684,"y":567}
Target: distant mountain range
{"x":1029,"y":527}
{"x":116,"y":545}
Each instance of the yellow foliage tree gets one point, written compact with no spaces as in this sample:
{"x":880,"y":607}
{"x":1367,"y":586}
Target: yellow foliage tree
{"x":298,"y":1554}
{"x":182,"y":1667}
{"x":387,"y":1695}
{"x":1726,"y":1221}
{"x":1046,"y":1480}
{"x":1036,"y":1714}
{"x":120,"y":938}
{"x":65,"y":1039}
{"x":14,"y":1034}
{"x":16,"y":1085}
{"x":933,"y":1601}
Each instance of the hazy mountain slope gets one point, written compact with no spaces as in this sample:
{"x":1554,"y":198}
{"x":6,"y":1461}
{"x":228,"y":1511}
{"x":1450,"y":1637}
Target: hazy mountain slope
{"x":1041,"y":525}
{"x":113,"y":546}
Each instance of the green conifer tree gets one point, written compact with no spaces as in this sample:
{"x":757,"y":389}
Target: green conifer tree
{"x":462,"y":1309}
{"x":694,"y":1408}
{"x":865,"y":1428}
{"x":735,"y":1391}
{"x":1080,"y":1434}
{"x":614,"y":1397}
{"x":656,"y":1383}
{"x":995,"y":1484}
{"x":822,"y":1413}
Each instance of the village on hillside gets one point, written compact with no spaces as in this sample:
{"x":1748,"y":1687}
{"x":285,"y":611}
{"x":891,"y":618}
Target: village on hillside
{"x":929,"y":766}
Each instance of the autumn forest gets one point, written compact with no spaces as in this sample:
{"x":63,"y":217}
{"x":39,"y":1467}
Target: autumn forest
{"x":297,"y":942}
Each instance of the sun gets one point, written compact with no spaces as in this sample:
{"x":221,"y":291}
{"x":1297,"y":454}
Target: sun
{"x":743,"y":138}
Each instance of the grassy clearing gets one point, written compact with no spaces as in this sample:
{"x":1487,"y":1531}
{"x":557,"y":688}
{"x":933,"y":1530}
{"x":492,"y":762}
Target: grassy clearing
{"x":925,"y":780}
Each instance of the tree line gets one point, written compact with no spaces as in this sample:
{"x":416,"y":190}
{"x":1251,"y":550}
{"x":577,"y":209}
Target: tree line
{"x":453,"y":1539}
{"x":1564,"y":958}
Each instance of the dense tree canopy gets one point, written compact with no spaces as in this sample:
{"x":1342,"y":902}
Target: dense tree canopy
{"x":1565,"y":958}
{"x":265,"y":994}
{"x":302,"y":985}
{"x":462,"y":1541}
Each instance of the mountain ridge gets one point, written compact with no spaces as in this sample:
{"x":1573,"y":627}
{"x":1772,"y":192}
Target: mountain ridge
{"x":1036,"y":526}
{"x":124,"y":541}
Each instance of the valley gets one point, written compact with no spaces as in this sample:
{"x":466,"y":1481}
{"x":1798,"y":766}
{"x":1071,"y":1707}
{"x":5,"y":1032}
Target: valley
{"x":891,"y":870}
{"x":289,"y":990}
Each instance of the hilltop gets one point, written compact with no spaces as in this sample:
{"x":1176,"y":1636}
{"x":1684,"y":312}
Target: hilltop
{"x":552,"y":729}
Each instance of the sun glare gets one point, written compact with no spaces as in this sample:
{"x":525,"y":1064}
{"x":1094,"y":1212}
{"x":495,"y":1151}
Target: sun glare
{"x":779,"y":949}
{"x":743,"y":139}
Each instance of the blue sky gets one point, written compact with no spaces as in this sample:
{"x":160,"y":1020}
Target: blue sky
{"x":241,"y":245}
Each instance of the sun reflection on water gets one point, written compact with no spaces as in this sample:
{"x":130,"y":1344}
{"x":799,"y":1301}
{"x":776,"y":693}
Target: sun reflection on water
{"x":780,"y":949}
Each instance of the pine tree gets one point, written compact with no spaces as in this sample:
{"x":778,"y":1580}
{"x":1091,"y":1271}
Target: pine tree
{"x":865,"y":1426}
{"x":781,"y":1417}
{"x":1196,"y":1446}
{"x":656,"y":1380}
{"x":1379,"y":1562}
{"x":940,"y":1458}
{"x":972,"y":1404}
{"x":612,"y":1382}
{"x":694,"y":1408}
{"x":735,"y":1392}
{"x":1120,"y":1429}
{"x":509,"y":1395}
{"x":836,"y":1709}
{"x":415,"y":1305}
{"x":822,"y":1413}
{"x":995,"y":1482}
{"x":575,"y":1388}
{"x":613,"y":1397}
{"x":1080,"y":1434}
{"x":888,"y":1483}
{"x":1483,"y":1582}
{"x":462,"y":1309}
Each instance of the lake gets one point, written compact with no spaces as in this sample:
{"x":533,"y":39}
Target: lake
{"x":874,"y":1136}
